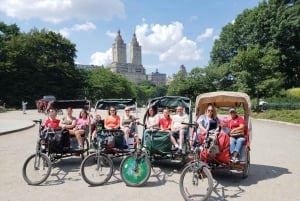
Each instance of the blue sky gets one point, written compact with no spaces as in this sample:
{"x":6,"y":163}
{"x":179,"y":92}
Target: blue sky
{"x":171,"y":32}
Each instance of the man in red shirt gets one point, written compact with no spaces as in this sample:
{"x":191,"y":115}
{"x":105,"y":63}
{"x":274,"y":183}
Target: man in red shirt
{"x":237,"y":134}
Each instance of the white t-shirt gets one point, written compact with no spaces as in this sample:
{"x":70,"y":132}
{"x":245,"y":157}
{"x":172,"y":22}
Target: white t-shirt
{"x":177,"y":120}
{"x":153,"y":120}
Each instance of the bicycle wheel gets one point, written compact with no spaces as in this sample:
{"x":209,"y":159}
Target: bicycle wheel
{"x":96,"y":169}
{"x":196,"y":183}
{"x":135,"y":172}
{"x":36,"y":169}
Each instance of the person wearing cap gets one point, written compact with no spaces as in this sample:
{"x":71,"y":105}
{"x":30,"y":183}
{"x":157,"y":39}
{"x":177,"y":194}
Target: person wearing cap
{"x":52,"y":121}
{"x":237,"y":134}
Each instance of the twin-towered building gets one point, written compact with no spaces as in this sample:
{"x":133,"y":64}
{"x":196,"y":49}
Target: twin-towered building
{"x":133,"y":70}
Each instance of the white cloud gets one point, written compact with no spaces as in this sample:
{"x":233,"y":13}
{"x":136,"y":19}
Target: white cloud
{"x":56,"y":11}
{"x":111,"y":34}
{"x":167,"y":42}
{"x":77,"y":27}
{"x":164,"y":41}
{"x":102,"y":58}
{"x":184,"y":50}
{"x":207,"y":34}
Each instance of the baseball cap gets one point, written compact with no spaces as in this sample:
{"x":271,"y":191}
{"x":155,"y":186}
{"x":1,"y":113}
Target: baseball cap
{"x":232,"y":110}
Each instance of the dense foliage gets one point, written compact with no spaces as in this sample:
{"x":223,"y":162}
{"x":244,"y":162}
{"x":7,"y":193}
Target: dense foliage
{"x":259,"y":53}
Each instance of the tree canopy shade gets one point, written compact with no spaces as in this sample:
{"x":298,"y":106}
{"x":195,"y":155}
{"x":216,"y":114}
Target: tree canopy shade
{"x":34,"y":64}
{"x":271,"y":25}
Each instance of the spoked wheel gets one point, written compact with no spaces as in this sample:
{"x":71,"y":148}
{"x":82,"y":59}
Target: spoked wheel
{"x":246,"y":169}
{"x":196,"y":183}
{"x":86,"y":146}
{"x":96,"y":169}
{"x":36,"y":169}
{"x":135,"y":172}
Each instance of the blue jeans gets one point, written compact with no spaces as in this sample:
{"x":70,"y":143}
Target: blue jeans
{"x":236,"y":144}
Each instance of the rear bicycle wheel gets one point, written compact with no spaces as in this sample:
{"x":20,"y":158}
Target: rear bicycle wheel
{"x":135,"y":172}
{"x":196,"y":183}
{"x":96,"y":169}
{"x":36,"y":169}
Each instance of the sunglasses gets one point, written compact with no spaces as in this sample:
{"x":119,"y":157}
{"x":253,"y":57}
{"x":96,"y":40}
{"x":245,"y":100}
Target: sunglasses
{"x":127,"y":110}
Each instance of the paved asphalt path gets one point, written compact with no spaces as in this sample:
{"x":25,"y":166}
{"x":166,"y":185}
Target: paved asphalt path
{"x":274,"y":174}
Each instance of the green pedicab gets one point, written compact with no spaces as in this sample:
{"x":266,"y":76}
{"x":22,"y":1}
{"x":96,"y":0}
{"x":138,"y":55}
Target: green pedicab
{"x":136,"y":168}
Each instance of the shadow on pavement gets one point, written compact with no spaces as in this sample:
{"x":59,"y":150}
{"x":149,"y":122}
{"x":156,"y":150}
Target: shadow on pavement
{"x":229,"y":185}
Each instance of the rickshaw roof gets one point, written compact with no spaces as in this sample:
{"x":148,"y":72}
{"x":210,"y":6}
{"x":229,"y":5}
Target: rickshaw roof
{"x":222,"y":99}
{"x":75,"y":104}
{"x":170,"y":102}
{"x":104,"y":104}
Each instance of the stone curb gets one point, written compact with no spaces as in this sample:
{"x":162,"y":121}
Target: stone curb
{"x":17,"y":129}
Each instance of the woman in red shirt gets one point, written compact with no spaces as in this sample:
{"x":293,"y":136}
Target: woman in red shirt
{"x":237,"y":134}
{"x":166,"y":121}
{"x":52,"y":122}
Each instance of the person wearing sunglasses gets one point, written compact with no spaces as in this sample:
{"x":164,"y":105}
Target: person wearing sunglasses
{"x":112,"y":121}
{"x":127,"y":123}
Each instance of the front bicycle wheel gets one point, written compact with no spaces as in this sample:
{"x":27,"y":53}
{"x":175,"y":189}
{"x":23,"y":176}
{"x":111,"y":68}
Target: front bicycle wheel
{"x":96,"y":169}
{"x":36,"y":169}
{"x":135,"y":172}
{"x":196,"y":183}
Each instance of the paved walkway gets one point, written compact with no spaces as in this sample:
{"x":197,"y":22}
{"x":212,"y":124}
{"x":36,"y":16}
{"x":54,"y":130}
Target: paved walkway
{"x":9,"y":126}
{"x":13,"y":121}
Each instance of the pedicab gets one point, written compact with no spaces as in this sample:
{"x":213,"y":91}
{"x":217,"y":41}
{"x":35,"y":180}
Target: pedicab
{"x":97,"y":168}
{"x":52,"y":145}
{"x":135,"y":169}
{"x":212,"y":149}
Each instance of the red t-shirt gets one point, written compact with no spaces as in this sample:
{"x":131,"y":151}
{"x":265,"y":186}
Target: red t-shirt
{"x":234,"y":123}
{"x":53,"y":123}
{"x":165,"y":123}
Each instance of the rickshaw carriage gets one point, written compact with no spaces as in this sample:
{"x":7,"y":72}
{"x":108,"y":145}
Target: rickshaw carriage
{"x":224,"y":100}
{"x":118,"y":135}
{"x":211,"y":150}
{"x":135,"y":169}
{"x":97,"y":168}
{"x":158,"y":144}
{"x":57,"y":144}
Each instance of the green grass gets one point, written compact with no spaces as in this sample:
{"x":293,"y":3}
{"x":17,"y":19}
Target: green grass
{"x":292,"y":116}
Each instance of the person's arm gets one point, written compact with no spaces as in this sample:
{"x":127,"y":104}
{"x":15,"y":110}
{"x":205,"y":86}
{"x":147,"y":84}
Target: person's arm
{"x":200,"y":122}
{"x":106,"y":120}
{"x":240,"y":128}
{"x":118,"y":122}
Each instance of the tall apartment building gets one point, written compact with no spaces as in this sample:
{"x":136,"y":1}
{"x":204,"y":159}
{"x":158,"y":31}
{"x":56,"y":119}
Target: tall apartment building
{"x":134,"y":71}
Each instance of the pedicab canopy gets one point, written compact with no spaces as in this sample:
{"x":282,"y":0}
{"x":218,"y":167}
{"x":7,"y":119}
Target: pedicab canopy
{"x":171,"y":102}
{"x":104,"y":104}
{"x":223,"y":99}
{"x":75,"y":104}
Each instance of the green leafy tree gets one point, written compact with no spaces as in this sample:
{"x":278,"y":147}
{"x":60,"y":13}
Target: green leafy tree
{"x":255,"y":71}
{"x":102,"y":83}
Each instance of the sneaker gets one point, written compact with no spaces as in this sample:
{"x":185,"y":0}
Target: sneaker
{"x":179,"y":151}
{"x":236,"y":160}
{"x":233,"y":159}
{"x":175,"y":149}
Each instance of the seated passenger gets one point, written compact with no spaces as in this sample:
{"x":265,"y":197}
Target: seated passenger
{"x":81,"y":127}
{"x":127,"y":123}
{"x":69,"y":121}
{"x":52,"y":122}
{"x":178,"y":130}
{"x":237,"y":134}
{"x":209,"y":121}
{"x":224,"y":126}
{"x":165,"y":122}
{"x":152,"y":119}
{"x":151,"y":122}
{"x":112,"y":121}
